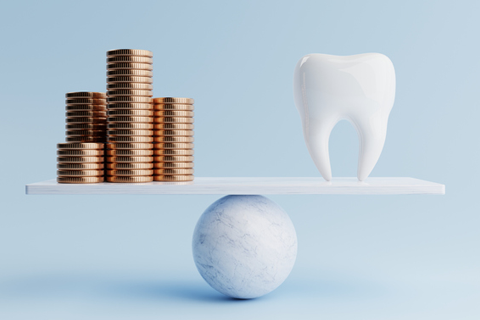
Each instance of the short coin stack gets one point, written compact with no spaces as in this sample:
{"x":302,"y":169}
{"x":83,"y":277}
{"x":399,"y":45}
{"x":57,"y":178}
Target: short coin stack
{"x":86,"y":117}
{"x":130,"y":116}
{"x":173,"y":137}
{"x":80,"y":162}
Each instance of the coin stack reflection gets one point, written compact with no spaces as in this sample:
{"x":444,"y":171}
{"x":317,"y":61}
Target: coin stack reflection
{"x":130,"y":116}
{"x":173,"y":137}
{"x":80,"y":162}
{"x":86,"y":116}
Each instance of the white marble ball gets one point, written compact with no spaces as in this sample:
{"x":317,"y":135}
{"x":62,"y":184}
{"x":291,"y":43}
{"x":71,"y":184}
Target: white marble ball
{"x":244,"y":246}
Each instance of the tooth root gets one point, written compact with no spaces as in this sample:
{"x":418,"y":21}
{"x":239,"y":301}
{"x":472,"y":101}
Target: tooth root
{"x":317,"y":137}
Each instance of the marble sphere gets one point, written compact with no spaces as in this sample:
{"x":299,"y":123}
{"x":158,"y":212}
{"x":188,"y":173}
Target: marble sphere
{"x":244,"y":246}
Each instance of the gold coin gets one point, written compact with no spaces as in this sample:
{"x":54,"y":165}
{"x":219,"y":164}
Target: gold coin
{"x":173,"y":100}
{"x":129,"y":72}
{"x":129,"y":92}
{"x":85,"y":139}
{"x":80,"y":159}
{"x":172,"y":139}
{"x":130,"y":139}
{"x":178,"y":126}
{"x":130,"y":179}
{"x":86,"y":126}
{"x":170,"y":171}
{"x":129,"y":159}
{"x":79,"y":179}
{"x":173,"y":120}
{"x":179,"y":107}
{"x":80,"y":173}
{"x":76,"y":114}
{"x":130,"y":165}
{"x":114,"y":146}
{"x":80,"y":152}
{"x":135,"y":59}
{"x":129,"y":65}
{"x":117,"y":79}
{"x":173,"y":113}
{"x":134,"y":99}
{"x":87,"y":107}
{"x":170,"y":145}
{"x":129,"y":52}
{"x":130,"y":112}
{"x":130,"y":125}
{"x":173,"y":178}
{"x":173,"y":158}
{"x":173,"y":165}
{"x":130,"y":152}
{"x":74,"y":101}
{"x":80,"y":145}
{"x":86,"y":94}
{"x":130,"y":106}
{"x":130,"y":132}
{"x":173,"y":152}
{"x":94,"y":133}
{"x":173,"y":133}
{"x":130,"y":172}
{"x":130,"y":119}
{"x":80,"y":166}
{"x":129,"y":85}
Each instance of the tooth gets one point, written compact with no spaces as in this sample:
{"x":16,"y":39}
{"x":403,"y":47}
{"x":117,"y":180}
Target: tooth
{"x":359,"y":88}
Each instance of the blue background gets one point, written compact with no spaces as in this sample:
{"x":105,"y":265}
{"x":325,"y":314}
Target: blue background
{"x":129,"y":257}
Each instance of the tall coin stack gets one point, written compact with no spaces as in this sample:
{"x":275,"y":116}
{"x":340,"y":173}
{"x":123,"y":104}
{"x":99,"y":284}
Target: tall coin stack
{"x":173,"y":137}
{"x":80,"y":162}
{"x":130,"y":116}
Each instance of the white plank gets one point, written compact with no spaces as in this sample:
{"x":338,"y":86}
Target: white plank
{"x":248,"y":185}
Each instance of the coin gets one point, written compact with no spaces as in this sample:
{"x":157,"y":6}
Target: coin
{"x":134,"y":59}
{"x":173,"y":100}
{"x":80,"y":159}
{"x":130,"y":119}
{"x":130,"y":125}
{"x":129,"y":99}
{"x":130,"y":172}
{"x":173,"y":120}
{"x":130,"y":179}
{"x":130,"y":112}
{"x":170,"y":171}
{"x":173,"y":158}
{"x":130,"y":106}
{"x":169,"y":145}
{"x":180,"y":107}
{"x":80,"y":166}
{"x":85,"y":132}
{"x":73,"y":101}
{"x":173,"y":113}
{"x":130,"y":152}
{"x":130,"y":132}
{"x":86,"y":120}
{"x":173,"y":133}
{"x":129,"y":52}
{"x":173,"y":152}
{"x":80,"y":152}
{"x":129,"y":65}
{"x":80,"y":179}
{"x":114,"y":146}
{"x":86,"y":94}
{"x":116,"y":79}
{"x":80,"y":173}
{"x":76,"y":114}
{"x":87,"y":107}
{"x":64,"y":145}
{"x":129,"y":72}
{"x":87,"y":126}
{"x":130,"y":139}
{"x":129,"y":85}
{"x":178,"y":165}
{"x":130,"y":165}
{"x":173,"y":178}
{"x":129,"y":159}
{"x":166,"y":126}
{"x":172,"y":138}
{"x":85,"y":139}
{"x":129,"y":92}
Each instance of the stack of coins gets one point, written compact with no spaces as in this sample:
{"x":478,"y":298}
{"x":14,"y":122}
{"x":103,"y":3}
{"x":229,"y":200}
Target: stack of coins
{"x":86,"y":117}
{"x":80,"y":162}
{"x":130,"y":116}
{"x":173,"y":137}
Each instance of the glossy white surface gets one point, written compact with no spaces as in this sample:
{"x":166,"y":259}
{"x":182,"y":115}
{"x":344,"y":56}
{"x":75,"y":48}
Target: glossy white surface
{"x":244,"y":246}
{"x":248,"y":185}
{"x":358,"y":88}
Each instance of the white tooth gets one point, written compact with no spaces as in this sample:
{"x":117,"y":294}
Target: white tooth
{"x":359,"y":88}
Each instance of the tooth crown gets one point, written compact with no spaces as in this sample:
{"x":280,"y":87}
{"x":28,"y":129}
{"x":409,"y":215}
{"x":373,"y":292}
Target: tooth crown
{"x":358,"y":88}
